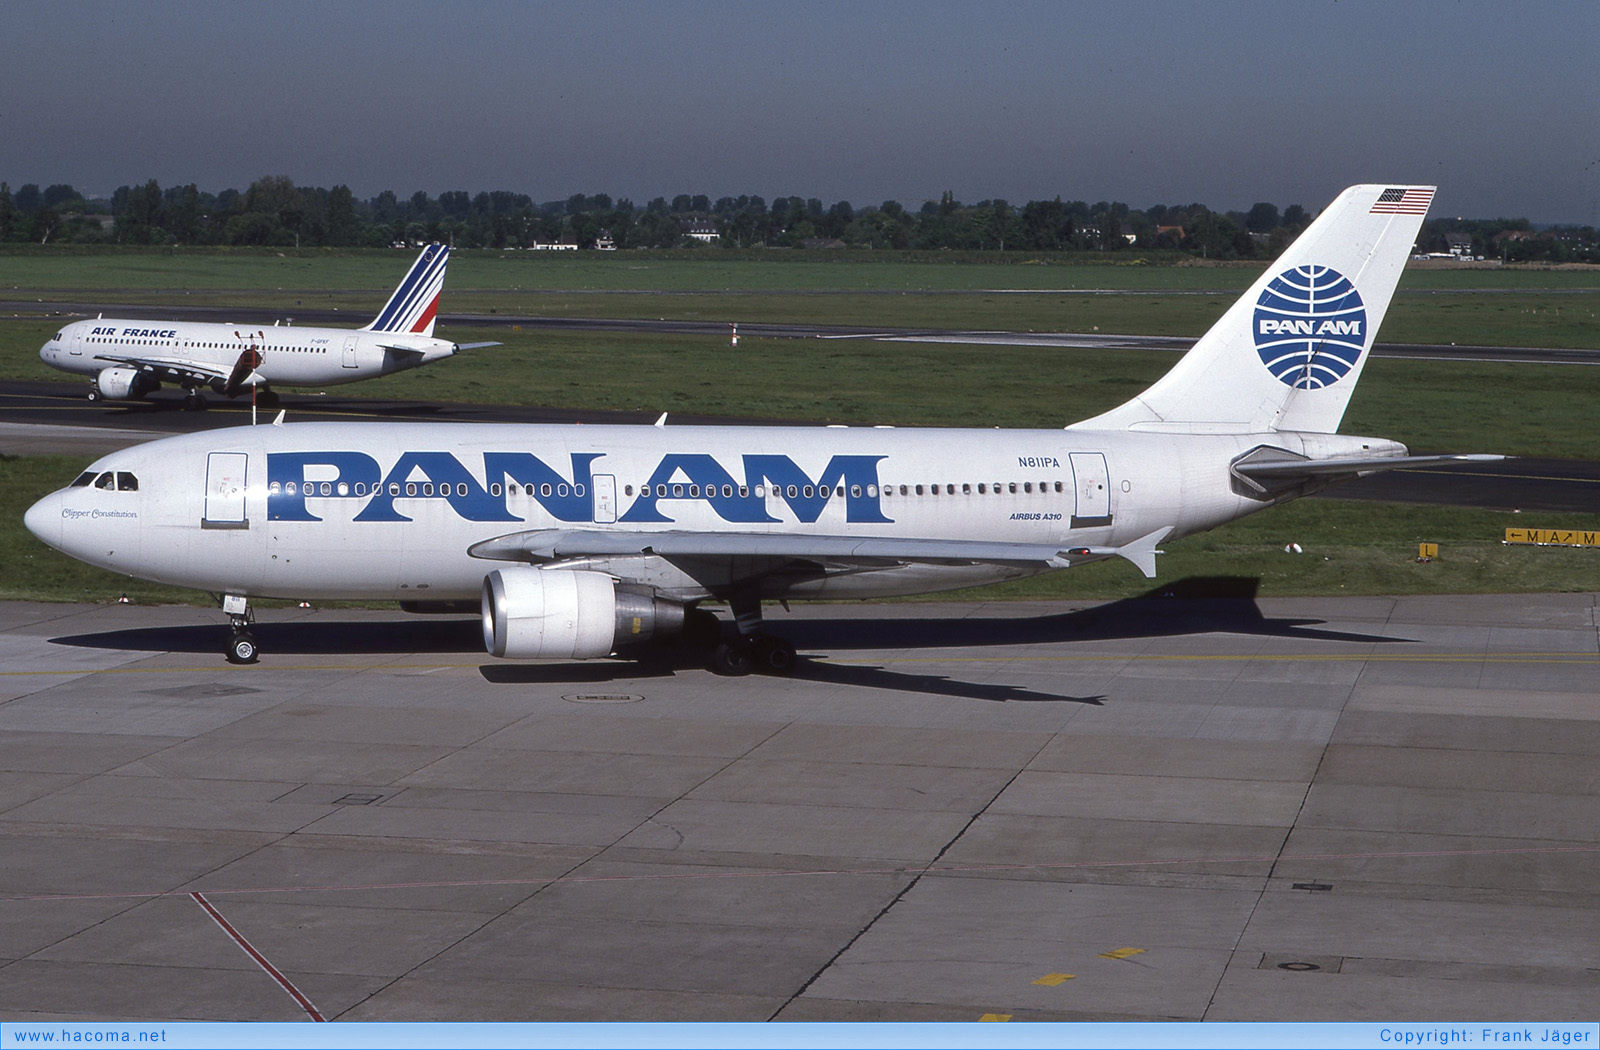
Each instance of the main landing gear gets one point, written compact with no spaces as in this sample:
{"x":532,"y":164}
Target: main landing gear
{"x":760,"y":652}
{"x":754,"y":649}
{"x":193,"y":399}
{"x":242,"y":648}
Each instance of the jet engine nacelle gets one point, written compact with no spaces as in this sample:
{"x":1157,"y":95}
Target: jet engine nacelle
{"x":568,"y":614}
{"x":119,"y":384}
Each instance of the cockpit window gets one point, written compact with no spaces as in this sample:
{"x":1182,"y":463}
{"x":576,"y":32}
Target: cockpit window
{"x":107,"y":480}
{"x":82,"y":480}
{"x":126,"y":482}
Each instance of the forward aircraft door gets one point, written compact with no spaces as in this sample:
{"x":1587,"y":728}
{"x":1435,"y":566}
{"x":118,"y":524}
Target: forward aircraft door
{"x":605,"y":498}
{"x":348,"y":359}
{"x":226,"y":476}
{"x":1091,"y":490}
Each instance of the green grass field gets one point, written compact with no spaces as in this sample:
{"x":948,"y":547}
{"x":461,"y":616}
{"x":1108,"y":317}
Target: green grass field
{"x":1510,"y":306}
{"x":1351,"y":547}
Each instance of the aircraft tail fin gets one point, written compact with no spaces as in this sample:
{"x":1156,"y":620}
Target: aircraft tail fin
{"x":1288,"y":354}
{"x":415,"y":303}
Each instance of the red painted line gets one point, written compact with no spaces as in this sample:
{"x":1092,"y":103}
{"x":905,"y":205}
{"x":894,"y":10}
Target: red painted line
{"x":260,"y":960}
{"x":939,"y":869}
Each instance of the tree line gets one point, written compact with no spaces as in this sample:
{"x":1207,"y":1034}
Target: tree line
{"x":273,"y":211}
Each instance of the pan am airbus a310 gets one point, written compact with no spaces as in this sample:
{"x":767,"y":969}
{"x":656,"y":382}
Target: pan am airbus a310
{"x":575,"y":542}
{"x":130,"y":359}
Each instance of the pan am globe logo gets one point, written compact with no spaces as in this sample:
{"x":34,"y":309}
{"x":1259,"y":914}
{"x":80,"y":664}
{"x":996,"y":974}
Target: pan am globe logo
{"x":1310,"y":327}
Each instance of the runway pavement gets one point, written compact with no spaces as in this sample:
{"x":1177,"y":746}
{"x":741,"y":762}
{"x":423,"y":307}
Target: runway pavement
{"x":1209,"y":807}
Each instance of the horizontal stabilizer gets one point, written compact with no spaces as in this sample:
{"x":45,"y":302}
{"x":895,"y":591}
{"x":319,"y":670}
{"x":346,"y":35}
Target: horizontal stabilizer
{"x":1296,"y":468}
{"x":1266,"y":472}
{"x":476,"y":346}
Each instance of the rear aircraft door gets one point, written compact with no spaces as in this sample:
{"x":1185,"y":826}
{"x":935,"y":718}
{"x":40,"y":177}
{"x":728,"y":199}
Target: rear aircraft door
{"x":348,"y":359}
{"x":226,"y":475}
{"x":605,"y":498}
{"x":1091,"y":490}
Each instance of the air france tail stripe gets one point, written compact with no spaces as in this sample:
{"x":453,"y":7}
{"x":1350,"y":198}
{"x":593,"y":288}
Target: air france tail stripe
{"x":416,"y":294}
{"x":427,"y":315}
{"x":425,"y":281}
{"x":408,"y":285}
{"x":419,"y":298}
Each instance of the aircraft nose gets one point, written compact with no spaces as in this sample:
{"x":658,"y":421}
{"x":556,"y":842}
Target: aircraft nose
{"x":43,"y":519}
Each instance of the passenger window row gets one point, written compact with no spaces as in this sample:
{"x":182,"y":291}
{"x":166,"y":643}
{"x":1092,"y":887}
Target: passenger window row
{"x":680,"y":491}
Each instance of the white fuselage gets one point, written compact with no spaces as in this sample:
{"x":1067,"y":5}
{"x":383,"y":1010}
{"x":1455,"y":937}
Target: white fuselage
{"x":389,"y":511}
{"x":290,"y":356}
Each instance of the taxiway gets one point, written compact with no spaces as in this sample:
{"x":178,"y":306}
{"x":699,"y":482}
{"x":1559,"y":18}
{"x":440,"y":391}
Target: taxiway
{"x":1191,"y":807}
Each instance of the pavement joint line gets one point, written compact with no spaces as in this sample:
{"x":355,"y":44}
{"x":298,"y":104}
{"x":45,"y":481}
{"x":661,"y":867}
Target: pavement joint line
{"x":935,"y":869}
{"x":1487,"y":658}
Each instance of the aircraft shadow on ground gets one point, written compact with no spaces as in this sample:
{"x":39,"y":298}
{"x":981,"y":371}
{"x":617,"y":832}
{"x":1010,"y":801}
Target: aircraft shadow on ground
{"x":320,"y":638}
{"x":1191,"y":606}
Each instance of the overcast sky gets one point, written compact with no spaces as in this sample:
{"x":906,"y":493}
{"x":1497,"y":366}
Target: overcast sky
{"x":1225,"y":102}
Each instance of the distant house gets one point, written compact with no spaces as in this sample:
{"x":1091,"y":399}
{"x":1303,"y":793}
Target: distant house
{"x":1459,"y":244}
{"x":604,"y":243}
{"x":703,"y":230}
{"x":1175,"y":232}
{"x":565,"y":244}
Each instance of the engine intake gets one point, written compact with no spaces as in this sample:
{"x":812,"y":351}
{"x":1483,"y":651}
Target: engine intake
{"x":568,"y":614}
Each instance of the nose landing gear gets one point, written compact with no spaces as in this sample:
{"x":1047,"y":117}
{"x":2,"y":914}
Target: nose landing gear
{"x":241,"y":648}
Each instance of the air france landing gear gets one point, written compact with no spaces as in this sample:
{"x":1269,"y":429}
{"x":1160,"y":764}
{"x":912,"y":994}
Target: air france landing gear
{"x":242,"y":648}
{"x":193,"y":399}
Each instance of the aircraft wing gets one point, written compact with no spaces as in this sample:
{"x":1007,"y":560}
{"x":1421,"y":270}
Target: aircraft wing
{"x":175,"y":369}
{"x":824,"y":551}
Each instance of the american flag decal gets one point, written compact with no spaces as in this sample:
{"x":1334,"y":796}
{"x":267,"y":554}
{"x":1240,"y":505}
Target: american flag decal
{"x":1403,"y":202}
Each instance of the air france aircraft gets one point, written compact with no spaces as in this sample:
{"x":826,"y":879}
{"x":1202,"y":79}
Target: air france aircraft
{"x":574,"y":542}
{"x":129,"y":359}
